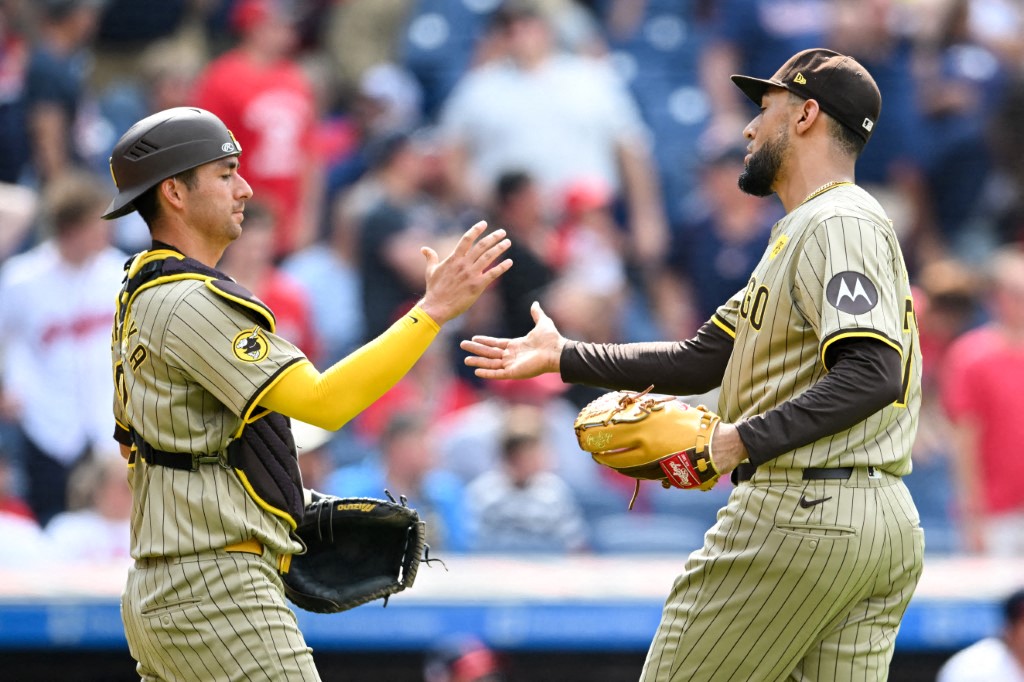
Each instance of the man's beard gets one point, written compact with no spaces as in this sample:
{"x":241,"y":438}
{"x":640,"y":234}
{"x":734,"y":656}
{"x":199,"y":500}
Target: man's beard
{"x":758,"y":176}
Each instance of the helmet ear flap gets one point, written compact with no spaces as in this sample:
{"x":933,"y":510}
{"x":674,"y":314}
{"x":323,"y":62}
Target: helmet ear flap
{"x":161,"y":146}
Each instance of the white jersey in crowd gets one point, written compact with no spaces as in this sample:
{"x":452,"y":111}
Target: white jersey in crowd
{"x":86,"y":535}
{"x":55,"y":343}
{"x":988,"y":660}
{"x":558,"y":122}
{"x":540,"y":516}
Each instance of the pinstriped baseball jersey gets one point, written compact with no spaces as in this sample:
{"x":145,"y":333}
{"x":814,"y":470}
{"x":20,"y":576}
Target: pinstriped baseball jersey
{"x":832,"y":270}
{"x":189,"y":368}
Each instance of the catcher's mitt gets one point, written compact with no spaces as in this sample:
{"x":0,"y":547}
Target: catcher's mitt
{"x":357,"y":549}
{"x":650,"y":436}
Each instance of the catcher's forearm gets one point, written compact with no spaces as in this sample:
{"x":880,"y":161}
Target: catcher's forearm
{"x":865,"y":377}
{"x":694,"y":366}
{"x":331,"y":399}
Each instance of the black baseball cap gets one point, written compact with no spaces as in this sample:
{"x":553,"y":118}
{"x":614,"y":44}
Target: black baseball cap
{"x":842,"y":87}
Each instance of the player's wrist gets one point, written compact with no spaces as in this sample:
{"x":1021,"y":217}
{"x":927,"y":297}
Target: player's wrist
{"x":436,"y":314}
{"x":555,"y":357}
{"x":726,"y":448}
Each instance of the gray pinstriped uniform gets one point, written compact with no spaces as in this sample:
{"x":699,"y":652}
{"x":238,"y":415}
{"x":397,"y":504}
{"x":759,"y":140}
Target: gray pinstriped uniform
{"x":779,"y":590}
{"x":186,"y":378}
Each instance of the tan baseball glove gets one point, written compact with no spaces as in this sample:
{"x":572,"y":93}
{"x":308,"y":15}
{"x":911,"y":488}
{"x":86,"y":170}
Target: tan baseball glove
{"x":648,"y":436}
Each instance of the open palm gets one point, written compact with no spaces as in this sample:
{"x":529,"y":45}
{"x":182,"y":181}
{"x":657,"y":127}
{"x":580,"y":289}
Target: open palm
{"x":520,"y":358}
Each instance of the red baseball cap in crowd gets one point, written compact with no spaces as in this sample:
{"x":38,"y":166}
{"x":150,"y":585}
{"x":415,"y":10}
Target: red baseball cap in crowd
{"x":842,"y":87}
{"x":248,"y":14}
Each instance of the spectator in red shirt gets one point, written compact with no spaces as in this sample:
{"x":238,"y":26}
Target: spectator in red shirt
{"x":267,"y":101}
{"x":984,"y":372}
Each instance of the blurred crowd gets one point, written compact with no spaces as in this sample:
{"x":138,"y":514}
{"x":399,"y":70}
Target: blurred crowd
{"x":604,"y":135}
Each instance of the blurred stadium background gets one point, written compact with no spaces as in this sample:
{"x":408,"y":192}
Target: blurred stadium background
{"x":368,"y":130}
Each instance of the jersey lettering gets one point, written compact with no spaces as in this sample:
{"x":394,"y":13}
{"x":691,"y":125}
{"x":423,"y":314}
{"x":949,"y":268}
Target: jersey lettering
{"x":747,"y":297}
{"x":760,"y":304}
{"x":120,"y":386}
{"x":909,"y":324}
{"x":754,"y":304}
{"x":138,"y":356}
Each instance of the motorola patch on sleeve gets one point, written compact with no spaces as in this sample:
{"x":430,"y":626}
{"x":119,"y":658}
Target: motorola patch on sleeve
{"x":852,"y":293}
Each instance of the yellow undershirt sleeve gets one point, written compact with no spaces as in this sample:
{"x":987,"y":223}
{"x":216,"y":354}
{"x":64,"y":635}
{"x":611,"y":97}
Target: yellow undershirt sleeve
{"x":329,"y":400}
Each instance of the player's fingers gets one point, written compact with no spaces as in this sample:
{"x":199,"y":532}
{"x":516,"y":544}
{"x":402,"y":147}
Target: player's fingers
{"x":497,"y":271}
{"x":482,"y":350}
{"x":466,"y":241}
{"x":485,"y":244}
{"x":430,"y":255}
{"x":492,"y":341}
{"x":484,"y":363}
{"x":491,"y":373}
{"x":487,"y":257}
{"x":537,"y":312}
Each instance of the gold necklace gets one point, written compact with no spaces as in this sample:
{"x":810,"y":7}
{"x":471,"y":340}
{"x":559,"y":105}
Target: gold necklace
{"x":824,"y":188}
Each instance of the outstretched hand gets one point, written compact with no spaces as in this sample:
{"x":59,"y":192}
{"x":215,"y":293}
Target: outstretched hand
{"x":536,"y":353}
{"x":455,"y":283}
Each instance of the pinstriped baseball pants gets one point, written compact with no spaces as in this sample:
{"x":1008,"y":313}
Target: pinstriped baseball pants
{"x":784,"y":591}
{"x":213,"y":616}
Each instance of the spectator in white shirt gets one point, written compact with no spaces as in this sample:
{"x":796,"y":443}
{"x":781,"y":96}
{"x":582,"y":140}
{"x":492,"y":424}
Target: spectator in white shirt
{"x":96,"y":526}
{"x":56,"y":311}
{"x":521,"y":505}
{"x":993,"y":659}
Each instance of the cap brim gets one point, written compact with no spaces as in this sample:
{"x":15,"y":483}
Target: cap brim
{"x":754,"y":88}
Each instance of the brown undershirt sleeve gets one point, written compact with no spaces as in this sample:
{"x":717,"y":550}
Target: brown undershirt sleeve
{"x":689,"y":367}
{"x":864,"y":376}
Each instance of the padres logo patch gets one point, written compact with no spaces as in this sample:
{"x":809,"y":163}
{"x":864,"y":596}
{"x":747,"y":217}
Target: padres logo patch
{"x":250,"y":345}
{"x":851,"y":292}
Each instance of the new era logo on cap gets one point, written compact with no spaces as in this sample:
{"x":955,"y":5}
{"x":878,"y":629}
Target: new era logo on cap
{"x":800,"y":79}
{"x":868,"y":124}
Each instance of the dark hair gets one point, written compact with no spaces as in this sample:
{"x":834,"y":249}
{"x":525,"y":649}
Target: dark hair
{"x":523,"y":427}
{"x":514,"y":443}
{"x":510,"y":184}
{"x":849,"y":141}
{"x":146,"y":203}
{"x":511,"y":11}
{"x":381,"y":150}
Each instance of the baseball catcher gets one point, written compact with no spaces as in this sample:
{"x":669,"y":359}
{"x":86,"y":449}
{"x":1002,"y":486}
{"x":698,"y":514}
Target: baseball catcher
{"x":649,"y":436}
{"x":358,"y":549}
